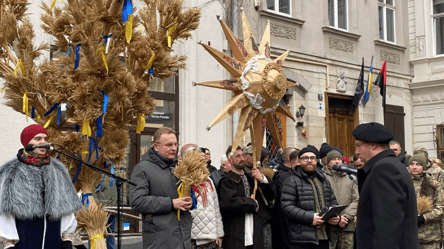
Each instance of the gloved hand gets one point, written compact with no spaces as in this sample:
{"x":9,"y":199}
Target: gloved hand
{"x":421,"y":220}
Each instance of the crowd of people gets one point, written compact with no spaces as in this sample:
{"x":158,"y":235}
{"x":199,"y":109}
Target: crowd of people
{"x":306,"y":198}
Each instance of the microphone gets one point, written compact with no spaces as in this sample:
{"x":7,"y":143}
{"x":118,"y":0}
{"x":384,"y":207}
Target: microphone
{"x":31,"y":147}
{"x":345,"y":169}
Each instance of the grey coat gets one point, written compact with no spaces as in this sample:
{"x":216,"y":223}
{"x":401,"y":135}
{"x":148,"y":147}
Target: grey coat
{"x":153,"y":195}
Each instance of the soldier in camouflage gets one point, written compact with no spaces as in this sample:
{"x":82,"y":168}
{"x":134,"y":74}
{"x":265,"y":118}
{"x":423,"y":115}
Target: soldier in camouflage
{"x":429,"y":215}
{"x":436,"y":173}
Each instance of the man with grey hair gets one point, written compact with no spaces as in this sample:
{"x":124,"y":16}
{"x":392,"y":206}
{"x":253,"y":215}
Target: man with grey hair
{"x":399,"y":152}
{"x":225,"y":166}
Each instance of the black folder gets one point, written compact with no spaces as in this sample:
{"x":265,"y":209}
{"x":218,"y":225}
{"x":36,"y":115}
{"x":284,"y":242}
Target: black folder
{"x":332,"y":212}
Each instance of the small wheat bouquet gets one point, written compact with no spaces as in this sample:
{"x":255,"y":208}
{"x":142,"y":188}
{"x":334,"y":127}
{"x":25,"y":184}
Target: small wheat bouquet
{"x":424,"y":204}
{"x":191,"y":171}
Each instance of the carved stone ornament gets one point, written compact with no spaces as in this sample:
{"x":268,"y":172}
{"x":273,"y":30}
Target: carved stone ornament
{"x":339,"y":44}
{"x":283,"y":31}
{"x":390,"y":57}
{"x":420,"y":46}
{"x":341,"y":83}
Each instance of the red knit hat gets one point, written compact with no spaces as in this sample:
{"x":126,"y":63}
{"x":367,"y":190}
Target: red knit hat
{"x":29,"y":132}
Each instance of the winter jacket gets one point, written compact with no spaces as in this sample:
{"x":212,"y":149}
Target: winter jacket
{"x":430,"y":231}
{"x":234,"y":205}
{"x":216,"y":176}
{"x":298,"y":205}
{"x":153,"y":195}
{"x":207,"y":221}
{"x":36,"y":200}
{"x":346,"y":192}
{"x":403,"y":158}
{"x":387,"y":215}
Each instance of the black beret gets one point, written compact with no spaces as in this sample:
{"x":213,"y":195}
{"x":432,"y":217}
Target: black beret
{"x":373,"y":132}
{"x":309,"y":148}
{"x":325,"y":148}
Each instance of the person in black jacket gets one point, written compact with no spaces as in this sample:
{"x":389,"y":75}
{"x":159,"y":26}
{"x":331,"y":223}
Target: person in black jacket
{"x":399,"y":152}
{"x":387,"y":214}
{"x":304,"y":195}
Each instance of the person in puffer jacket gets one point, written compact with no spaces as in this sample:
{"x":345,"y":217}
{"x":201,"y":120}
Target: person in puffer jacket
{"x":207,"y":228}
{"x":304,"y":195}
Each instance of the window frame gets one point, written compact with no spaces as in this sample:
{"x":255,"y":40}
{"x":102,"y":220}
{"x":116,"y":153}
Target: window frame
{"x":434,"y":17}
{"x":336,"y":15}
{"x":386,"y":6}
{"x":276,"y":8}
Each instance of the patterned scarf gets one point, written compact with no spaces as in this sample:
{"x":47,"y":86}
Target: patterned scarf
{"x":33,"y":159}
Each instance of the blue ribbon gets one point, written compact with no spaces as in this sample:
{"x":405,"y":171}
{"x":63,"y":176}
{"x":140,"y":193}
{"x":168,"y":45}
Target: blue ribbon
{"x":99,"y":127}
{"x":105,"y":101}
{"x":103,"y":179}
{"x":76,"y":65}
{"x":33,"y":112}
{"x":69,"y":49}
{"x":59,"y":115}
{"x":127,"y":10}
{"x":194,"y":199}
{"x":85,"y":197}
{"x":106,"y":38}
{"x":77,"y":173}
{"x":77,"y":127}
{"x":92,"y":143}
{"x":151,"y":71}
{"x":52,"y":109}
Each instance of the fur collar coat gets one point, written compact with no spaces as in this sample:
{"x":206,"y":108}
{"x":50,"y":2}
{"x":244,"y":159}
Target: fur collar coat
{"x":28,"y":191}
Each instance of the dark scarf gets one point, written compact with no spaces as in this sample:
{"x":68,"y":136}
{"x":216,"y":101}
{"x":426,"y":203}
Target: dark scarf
{"x":32,"y":158}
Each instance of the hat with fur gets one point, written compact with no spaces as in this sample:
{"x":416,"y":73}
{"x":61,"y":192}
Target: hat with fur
{"x":247,"y":150}
{"x":421,"y":159}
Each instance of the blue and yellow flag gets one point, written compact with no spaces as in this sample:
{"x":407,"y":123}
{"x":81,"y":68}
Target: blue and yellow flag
{"x":368,"y":90}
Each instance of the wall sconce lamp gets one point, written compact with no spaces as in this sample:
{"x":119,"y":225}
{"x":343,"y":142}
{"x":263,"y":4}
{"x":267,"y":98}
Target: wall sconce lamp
{"x":301,"y":111}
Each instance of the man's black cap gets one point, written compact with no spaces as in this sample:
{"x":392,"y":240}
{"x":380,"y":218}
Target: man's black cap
{"x":325,"y":148}
{"x":309,"y":148}
{"x":373,"y":132}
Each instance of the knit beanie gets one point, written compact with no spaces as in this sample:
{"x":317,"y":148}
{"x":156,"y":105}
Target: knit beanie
{"x":421,"y":159}
{"x":325,"y":148}
{"x":29,"y":132}
{"x":309,"y":148}
{"x":333,"y":154}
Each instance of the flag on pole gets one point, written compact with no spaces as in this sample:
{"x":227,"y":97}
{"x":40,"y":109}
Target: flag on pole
{"x":381,"y":82}
{"x":359,"y":88}
{"x":368,"y":90}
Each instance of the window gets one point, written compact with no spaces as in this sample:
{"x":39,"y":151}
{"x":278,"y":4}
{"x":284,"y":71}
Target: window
{"x":387,"y":20}
{"x":281,"y":6}
{"x":337,"y":13}
{"x":438,"y":25}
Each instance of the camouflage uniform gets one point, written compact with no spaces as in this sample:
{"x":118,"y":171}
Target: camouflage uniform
{"x":343,"y":239}
{"x":436,"y":175}
{"x":429,"y":233}
{"x":434,"y":245}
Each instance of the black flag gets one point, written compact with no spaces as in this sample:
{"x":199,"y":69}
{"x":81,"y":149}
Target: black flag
{"x":359,"y":88}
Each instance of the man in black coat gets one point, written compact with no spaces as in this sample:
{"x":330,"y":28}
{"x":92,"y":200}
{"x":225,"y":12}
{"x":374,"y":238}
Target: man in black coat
{"x":387,"y":214}
{"x":242,"y":223}
{"x":399,"y":152}
{"x":304,"y":195}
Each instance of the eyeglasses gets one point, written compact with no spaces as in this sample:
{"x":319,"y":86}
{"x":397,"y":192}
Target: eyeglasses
{"x":306,"y":158}
{"x":169,"y":145}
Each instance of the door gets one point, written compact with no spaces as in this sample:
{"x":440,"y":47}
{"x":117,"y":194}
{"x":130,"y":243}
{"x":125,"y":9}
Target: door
{"x":394,"y":121}
{"x":340,"y":122}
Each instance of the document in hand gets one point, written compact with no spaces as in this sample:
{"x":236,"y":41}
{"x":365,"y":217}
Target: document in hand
{"x":332,"y":212}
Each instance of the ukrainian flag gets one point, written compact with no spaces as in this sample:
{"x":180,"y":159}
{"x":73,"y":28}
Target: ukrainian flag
{"x":368,"y":90}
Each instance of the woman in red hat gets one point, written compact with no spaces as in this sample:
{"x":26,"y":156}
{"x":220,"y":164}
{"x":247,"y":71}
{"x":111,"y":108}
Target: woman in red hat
{"x":37,"y":198}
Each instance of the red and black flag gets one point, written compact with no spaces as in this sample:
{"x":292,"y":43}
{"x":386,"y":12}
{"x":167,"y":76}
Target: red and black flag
{"x":359,"y":88}
{"x":381,"y":82}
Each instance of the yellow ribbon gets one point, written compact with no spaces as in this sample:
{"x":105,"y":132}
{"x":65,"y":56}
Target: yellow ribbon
{"x":70,"y":165}
{"x":170,"y":30}
{"x":38,"y":117}
{"x":141,"y":29}
{"x":3,"y":89}
{"x":48,"y":122}
{"x":86,"y":129}
{"x":180,"y":193}
{"x":150,"y":62}
{"x":141,"y":125}
{"x":129,"y":28}
{"x":16,"y":68}
{"x":25,"y":105}
{"x":22,"y":67}
{"x":53,"y":4}
{"x":94,"y":238}
{"x":102,"y":52}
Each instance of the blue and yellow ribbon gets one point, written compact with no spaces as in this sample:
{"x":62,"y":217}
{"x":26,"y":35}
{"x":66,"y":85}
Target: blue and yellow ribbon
{"x":150,"y":62}
{"x":85,"y":197}
{"x":180,"y":191}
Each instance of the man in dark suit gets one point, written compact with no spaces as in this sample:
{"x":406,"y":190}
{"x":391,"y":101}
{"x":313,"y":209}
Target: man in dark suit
{"x":387,"y":214}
